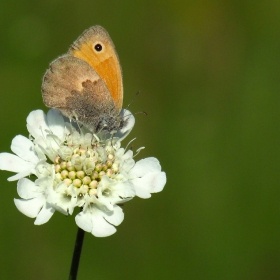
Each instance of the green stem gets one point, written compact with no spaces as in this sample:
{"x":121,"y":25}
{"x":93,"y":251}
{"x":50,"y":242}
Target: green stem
{"x":77,"y":254}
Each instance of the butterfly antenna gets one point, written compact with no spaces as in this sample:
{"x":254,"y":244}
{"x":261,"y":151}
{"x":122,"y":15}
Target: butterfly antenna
{"x":142,"y":112}
{"x":137,"y":93}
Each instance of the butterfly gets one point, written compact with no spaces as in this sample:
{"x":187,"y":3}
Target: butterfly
{"x":85,"y":84}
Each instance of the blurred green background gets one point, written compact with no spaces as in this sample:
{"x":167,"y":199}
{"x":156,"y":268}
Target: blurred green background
{"x":208,"y":72}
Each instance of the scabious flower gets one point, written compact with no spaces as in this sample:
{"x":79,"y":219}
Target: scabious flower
{"x":72,"y":167}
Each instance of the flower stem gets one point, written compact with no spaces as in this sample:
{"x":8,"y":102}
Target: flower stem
{"x":77,"y":254}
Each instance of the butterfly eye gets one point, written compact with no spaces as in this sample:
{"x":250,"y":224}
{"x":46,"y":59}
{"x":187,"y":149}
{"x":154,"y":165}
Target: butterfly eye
{"x":98,"y":47}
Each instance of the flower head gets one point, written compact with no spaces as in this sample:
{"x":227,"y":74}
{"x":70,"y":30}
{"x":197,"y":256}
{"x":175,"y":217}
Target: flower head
{"x":75,"y":168}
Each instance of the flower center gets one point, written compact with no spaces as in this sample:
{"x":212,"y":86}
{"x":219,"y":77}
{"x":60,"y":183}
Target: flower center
{"x":84,"y":168}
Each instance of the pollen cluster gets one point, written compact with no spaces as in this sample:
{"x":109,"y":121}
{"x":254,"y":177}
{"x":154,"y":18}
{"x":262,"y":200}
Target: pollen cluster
{"x":84,"y":168}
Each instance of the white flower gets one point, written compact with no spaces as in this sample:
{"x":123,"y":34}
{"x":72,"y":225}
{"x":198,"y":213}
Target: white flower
{"x":75,"y":168}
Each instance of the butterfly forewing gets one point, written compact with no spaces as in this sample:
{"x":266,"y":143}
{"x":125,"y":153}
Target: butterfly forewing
{"x":96,"y":48}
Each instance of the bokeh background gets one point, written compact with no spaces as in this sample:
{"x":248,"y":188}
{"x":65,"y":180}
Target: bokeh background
{"x":208,"y":72}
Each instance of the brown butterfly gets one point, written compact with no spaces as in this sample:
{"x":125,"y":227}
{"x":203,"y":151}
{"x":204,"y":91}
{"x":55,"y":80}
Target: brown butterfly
{"x":86,"y":83}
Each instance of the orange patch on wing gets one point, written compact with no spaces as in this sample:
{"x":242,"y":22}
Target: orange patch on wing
{"x":107,"y":67}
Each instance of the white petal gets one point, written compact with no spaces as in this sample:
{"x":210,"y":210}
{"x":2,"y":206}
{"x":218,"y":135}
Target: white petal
{"x":121,"y":191}
{"x":127,"y":161}
{"x":30,"y":207}
{"x":157,"y":181}
{"x":119,"y":153}
{"x":13,"y":163}
{"x":56,"y":123}
{"x":117,"y":192}
{"x":84,"y":221}
{"x":40,"y":141}
{"x":95,"y":223}
{"x":24,"y":148}
{"x":57,"y":201}
{"x":21,"y":175}
{"x":130,"y":121}
{"x":116,"y":217}
{"x":100,"y":227}
{"x":144,"y":166}
{"x":142,"y":189}
{"x":44,"y":169}
{"x":39,"y":152}
{"x":127,"y":155}
{"x":27,"y":189}
{"x":150,"y":183}
{"x":53,"y":142}
{"x":65,"y":204}
{"x":37,"y":123}
{"x":44,"y":182}
{"x":44,"y":215}
{"x":61,"y":210}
